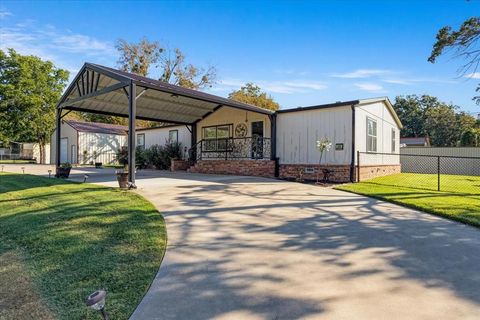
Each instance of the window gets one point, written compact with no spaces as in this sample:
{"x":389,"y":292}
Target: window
{"x":216,"y":137}
{"x":371,"y":135}
{"x":141,"y":140}
{"x":394,"y":140}
{"x":173,"y":136}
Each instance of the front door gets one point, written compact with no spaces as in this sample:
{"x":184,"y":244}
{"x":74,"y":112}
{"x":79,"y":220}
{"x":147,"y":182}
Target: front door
{"x":257,"y":139}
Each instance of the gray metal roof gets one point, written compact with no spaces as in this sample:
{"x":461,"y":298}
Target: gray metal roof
{"x":103,"y":90}
{"x":97,"y":127}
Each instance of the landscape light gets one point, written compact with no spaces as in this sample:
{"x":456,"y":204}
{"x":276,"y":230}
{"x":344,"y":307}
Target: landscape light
{"x":85,"y":177}
{"x":96,"y":301}
{"x":23,"y":169}
{"x":2,"y":168}
{"x":49,"y":173}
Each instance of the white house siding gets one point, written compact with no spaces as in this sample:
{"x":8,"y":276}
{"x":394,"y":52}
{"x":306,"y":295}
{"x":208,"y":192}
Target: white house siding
{"x":227,"y":115}
{"x":68,"y":133}
{"x":105,"y":145}
{"x":159,"y":136}
{"x":298,"y":132}
{"x":385,"y":124}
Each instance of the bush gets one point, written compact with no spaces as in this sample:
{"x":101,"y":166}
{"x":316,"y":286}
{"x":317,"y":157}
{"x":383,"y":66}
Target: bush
{"x":159,"y":156}
{"x":141,"y":160}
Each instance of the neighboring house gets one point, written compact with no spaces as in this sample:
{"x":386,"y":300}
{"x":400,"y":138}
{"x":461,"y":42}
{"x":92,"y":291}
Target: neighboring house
{"x":147,"y":137}
{"x":89,"y":142}
{"x":415,"y":142}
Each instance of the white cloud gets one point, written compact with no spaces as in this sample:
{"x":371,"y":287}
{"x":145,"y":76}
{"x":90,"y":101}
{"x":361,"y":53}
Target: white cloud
{"x":362,"y":73}
{"x":474,"y":75}
{"x":4,"y":13}
{"x":371,"y":87}
{"x":49,"y":43}
{"x":285,"y":87}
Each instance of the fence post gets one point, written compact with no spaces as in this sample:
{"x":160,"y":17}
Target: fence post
{"x":358,"y":166}
{"x":438,"y":173}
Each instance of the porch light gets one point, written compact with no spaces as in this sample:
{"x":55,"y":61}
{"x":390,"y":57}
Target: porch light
{"x":96,"y":301}
{"x":85,"y":177}
{"x":49,"y":173}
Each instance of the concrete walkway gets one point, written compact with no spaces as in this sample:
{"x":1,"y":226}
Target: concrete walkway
{"x":251,"y":248}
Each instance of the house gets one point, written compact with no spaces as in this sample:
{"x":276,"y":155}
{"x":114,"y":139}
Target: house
{"x":415,"y":142}
{"x":147,"y":137}
{"x":89,"y":142}
{"x":230,"y":137}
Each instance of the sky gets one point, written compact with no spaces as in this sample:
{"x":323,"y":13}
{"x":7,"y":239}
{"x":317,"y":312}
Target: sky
{"x":301,"y":52}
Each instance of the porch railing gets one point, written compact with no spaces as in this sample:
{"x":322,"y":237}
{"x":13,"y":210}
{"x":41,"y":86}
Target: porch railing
{"x":231,"y":148}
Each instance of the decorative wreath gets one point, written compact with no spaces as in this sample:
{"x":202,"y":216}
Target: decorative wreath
{"x":241,"y":130}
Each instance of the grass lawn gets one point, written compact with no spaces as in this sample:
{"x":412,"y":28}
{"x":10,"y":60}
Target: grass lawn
{"x":16,"y":161}
{"x":65,"y":240}
{"x":459,"y":198}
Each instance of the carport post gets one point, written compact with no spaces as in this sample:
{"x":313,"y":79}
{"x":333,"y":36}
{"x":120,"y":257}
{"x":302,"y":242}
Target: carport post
{"x":58,"y":135}
{"x":132,"y":111}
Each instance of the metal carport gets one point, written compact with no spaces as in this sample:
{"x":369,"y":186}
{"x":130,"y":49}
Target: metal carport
{"x":103,"y":90}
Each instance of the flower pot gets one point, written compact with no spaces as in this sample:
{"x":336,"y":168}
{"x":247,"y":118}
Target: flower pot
{"x":122,"y":178}
{"x":63,"y":172}
{"x":98,"y":164}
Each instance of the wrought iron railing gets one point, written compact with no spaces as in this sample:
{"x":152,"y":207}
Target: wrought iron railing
{"x":231,"y":148}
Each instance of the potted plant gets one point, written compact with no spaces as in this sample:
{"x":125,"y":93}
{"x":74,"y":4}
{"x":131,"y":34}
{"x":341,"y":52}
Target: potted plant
{"x":97,"y":164}
{"x":64,"y":170}
{"x":122,"y":175}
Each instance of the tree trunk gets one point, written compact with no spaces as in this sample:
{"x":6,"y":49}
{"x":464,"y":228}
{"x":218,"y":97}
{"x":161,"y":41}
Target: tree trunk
{"x":42,"y":153}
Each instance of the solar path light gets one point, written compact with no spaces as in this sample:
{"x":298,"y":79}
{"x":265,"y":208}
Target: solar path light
{"x":85,"y":177}
{"x":23,"y":169}
{"x":49,"y":173}
{"x":96,"y":301}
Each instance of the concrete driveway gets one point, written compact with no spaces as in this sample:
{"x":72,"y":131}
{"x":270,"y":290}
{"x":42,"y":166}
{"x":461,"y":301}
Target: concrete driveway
{"x":252,"y":248}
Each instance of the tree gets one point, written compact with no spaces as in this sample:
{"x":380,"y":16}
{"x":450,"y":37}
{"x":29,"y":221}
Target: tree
{"x":464,"y":42}
{"x":29,"y":91}
{"x":427,"y":116}
{"x":138,"y":57}
{"x":441,"y":126}
{"x":252,"y":94}
{"x":470,"y":138}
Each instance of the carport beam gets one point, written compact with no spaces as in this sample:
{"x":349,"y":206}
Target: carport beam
{"x":132,"y":111}
{"x":57,"y":138}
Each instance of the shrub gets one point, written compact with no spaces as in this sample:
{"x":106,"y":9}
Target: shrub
{"x":141,"y":159}
{"x":159,"y":156}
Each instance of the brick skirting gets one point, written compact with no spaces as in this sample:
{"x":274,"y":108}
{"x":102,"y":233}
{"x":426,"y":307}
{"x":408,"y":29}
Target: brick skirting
{"x":338,"y":173}
{"x":375,"y":171}
{"x":179,"y":165}
{"x":258,"y":168}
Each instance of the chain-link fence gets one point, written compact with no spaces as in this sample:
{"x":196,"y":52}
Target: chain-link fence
{"x":437,"y":173}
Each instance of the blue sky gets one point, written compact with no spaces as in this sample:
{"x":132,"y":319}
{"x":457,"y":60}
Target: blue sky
{"x":302,"y":53}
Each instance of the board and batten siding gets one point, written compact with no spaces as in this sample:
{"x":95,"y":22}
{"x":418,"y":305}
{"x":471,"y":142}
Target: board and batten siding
{"x":105,"y":145}
{"x":68,"y":133}
{"x":385,"y":124}
{"x":159,"y":136}
{"x":298,"y":132}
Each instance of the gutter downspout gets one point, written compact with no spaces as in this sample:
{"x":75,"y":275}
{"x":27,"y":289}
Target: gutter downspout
{"x":352,"y":164}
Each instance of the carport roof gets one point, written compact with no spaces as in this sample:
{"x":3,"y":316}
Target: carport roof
{"x":103,"y":90}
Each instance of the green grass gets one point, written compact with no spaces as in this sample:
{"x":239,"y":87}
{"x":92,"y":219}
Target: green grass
{"x":459,"y":198}
{"x":75,"y":238}
{"x":16,"y":161}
